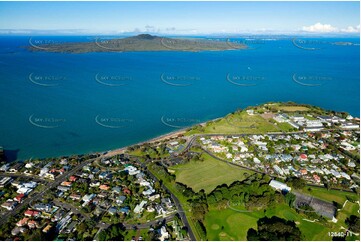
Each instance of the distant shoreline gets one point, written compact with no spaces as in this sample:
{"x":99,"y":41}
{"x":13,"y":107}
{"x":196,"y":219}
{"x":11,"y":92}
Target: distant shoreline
{"x":142,"y":42}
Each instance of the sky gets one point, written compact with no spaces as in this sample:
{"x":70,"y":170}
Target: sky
{"x":183,"y":18}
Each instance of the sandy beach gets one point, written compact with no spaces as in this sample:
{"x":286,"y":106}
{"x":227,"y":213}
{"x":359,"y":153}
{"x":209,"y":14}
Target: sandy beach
{"x":156,"y":139}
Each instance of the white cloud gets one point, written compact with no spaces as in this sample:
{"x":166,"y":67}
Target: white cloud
{"x":351,"y":29}
{"x":321,"y":28}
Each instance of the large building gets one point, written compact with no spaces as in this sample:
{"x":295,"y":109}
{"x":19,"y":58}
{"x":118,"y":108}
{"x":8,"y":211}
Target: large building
{"x":279,"y":186}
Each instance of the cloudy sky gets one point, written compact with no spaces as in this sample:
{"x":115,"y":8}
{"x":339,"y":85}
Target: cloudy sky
{"x":179,"y":17}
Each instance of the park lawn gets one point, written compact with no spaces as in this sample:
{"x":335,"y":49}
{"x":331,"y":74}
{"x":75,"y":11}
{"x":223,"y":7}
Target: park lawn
{"x":208,"y":174}
{"x":136,"y":152}
{"x":291,"y":108}
{"x":228,"y":224}
{"x":236,"y":224}
{"x":349,"y":209}
{"x":141,"y":232}
{"x":237,"y":123}
{"x":314,"y":231}
{"x":286,"y":127}
{"x":331,"y":195}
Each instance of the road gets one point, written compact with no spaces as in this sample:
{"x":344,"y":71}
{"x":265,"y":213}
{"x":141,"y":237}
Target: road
{"x":178,"y":206}
{"x":30,"y":177}
{"x":65,"y":176}
{"x":50,"y":185}
{"x":190,"y":144}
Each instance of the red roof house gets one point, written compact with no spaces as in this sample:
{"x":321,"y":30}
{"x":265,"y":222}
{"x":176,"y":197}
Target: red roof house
{"x":19,"y":198}
{"x":303,"y":156}
{"x":303,"y":171}
{"x":31,"y":213}
{"x":22,"y":222}
{"x":73,"y":178}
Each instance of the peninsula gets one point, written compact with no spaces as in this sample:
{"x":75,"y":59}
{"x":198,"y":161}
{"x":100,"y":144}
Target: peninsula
{"x":289,"y":164}
{"x":142,"y":42}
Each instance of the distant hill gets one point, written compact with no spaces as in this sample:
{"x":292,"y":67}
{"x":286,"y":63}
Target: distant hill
{"x":142,"y":42}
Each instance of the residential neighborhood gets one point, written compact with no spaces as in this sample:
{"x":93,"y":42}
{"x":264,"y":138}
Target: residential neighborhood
{"x":162,"y":190}
{"x":106,"y":191}
{"x":318,"y":157}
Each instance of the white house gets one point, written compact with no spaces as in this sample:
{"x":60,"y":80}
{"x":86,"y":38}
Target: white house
{"x":278,"y":169}
{"x":88,"y":197}
{"x":24,"y":190}
{"x":139,"y":208}
{"x":163,"y":234}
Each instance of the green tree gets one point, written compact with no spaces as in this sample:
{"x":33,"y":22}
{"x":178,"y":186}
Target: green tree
{"x":353,"y":223}
{"x":274,"y":228}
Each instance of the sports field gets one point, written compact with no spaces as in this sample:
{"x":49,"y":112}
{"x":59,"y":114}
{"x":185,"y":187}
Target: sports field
{"x":208,"y":174}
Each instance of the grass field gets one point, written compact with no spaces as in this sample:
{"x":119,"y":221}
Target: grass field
{"x":291,"y":108}
{"x":208,"y":174}
{"x":330,"y":196}
{"x":136,"y":233}
{"x":285,"y":127}
{"x":233,"y":225}
{"x":238,"y":123}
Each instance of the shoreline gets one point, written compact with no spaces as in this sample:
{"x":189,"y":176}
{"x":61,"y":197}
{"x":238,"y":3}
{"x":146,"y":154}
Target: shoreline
{"x":155,"y":139}
{"x":121,"y":150}
{"x":152,"y":140}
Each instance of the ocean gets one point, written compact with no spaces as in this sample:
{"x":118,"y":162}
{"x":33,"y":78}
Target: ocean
{"x":55,"y":104}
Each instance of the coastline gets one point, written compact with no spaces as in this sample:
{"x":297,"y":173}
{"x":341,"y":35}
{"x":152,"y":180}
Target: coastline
{"x":172,"y":134}
{"x":152,"y":140}
{"x":121,"y":150}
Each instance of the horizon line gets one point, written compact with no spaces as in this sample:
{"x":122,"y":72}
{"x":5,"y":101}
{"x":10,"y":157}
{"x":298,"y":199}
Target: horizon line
{"x":77,"y":32}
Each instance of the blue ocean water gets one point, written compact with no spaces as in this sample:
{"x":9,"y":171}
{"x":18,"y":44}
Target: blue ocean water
{"x":57,"y":104}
